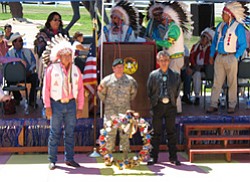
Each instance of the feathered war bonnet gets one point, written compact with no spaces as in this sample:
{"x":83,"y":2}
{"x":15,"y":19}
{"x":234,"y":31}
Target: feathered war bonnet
{"x":179,"y":14}
{"x":209,"y":33}
{"x":239,"y":11}
{"x":154,"y":9}
{"x":59,"y":45}
{"x":128,"y":13}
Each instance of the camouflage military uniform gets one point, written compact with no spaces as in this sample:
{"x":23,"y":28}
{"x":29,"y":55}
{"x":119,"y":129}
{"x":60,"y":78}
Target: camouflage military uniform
{"x":117,"y":95}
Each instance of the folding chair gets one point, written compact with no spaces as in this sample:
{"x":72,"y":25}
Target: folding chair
{"x":244,"y":73}
{"x":208,"y":80}
{"x":15,"y":72}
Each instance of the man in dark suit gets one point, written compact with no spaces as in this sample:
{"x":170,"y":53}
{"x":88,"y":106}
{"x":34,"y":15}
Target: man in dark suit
{"x":163,"y":88}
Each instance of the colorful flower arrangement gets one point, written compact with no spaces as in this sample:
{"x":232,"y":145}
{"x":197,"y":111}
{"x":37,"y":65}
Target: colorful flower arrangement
{"x":129,"y":123}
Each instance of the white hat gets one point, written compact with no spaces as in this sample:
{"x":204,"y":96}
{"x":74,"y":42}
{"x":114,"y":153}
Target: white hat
{"x":14,"y":37}
{"x":209,"y":33}
{"x":1,"y":33}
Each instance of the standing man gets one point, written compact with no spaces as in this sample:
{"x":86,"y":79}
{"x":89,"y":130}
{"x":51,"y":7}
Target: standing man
{"x":29,"y":60}
{"x":173,"y":18}
{"x":155,"y":29}
{"x":230,"y":43}
{"x":116,"y":91}
{"x":124,"y":24}
{"x":163,"y":88}
{"x":63,"y":99}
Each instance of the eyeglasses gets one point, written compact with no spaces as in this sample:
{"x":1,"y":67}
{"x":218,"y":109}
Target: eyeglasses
{"x":56,"y":19}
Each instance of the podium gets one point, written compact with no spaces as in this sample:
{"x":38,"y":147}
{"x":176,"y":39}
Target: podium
{"x":144,"y":54}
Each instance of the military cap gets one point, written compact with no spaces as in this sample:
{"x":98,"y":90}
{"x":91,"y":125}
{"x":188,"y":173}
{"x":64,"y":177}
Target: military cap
{"x":117,"y":61}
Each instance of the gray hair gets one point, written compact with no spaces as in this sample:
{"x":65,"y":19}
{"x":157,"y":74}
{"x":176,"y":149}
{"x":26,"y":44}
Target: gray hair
{"x":163,"y":53}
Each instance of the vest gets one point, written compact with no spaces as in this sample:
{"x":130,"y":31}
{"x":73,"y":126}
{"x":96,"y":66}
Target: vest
{"x":57,"y":81}
{"x":230,"y":40}
{"x":178,"y":46}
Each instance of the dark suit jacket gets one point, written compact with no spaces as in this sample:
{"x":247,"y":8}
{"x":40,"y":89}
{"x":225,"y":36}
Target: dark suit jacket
{"x":154,"y":86}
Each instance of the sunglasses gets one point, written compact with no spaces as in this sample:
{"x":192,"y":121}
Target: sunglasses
{"x":56,"y":19}
{"x":20,"y":41}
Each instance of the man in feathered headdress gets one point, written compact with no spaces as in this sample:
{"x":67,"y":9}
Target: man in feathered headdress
{"x":155,"y":30}
{"x":124,"y":24}
{"x":62,"y":90}
{"x":199,"y":57}
{"x":178,"y":20}
{"x":230,"y":43}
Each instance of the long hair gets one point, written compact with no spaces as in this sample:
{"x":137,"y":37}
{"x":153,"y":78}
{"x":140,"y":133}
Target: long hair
{"x":50,"y":18}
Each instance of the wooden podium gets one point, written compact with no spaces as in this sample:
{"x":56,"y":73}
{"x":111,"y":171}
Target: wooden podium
{"x":144,"y":54}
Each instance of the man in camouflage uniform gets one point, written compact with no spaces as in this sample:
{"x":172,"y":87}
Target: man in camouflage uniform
{"x":116,"y":91}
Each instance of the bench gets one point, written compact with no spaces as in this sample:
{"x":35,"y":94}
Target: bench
{"x":227,"y":152}
{"x":226,"y":138}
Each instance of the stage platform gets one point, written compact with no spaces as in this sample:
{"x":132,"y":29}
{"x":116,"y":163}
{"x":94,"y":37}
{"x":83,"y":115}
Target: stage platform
{"x":31,"y":130}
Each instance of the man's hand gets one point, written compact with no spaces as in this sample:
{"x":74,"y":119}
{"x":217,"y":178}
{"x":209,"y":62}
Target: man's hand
{"x":99,"y":88}
{"x":79,"y":114}
{"x":211,"y":60}
{"x":48,"y":112}
{"x":24,"y":63}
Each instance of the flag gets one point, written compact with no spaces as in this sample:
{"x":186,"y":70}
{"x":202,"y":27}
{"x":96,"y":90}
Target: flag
{"x":90,"y":74}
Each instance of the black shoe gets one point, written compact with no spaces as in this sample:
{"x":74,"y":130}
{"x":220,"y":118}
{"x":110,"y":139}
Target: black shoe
{"x":197,"y":101}
{"x":72,"y":163}
{"x":52,"y":166}
{"x":17,"y":102}
{"x":230,"y":110}
{"x":152,"y":161}
{"x":212,"y":110}
{"x":33,"y":104}
{"x":186,"y":100}
{"x":176,"y":162}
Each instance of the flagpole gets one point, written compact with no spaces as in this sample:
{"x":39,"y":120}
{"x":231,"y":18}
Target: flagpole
{"x":95,"y":153}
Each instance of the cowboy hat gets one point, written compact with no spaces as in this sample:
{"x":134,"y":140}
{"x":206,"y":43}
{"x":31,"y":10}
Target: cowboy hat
{"x":14,"y":37}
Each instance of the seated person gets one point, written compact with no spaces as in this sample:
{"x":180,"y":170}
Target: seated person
{"x":199,"y":57}
{"x":28,"y":59}
{"x":77,"y":44}
{"x":186,"y":77}
{"x":8,"y":31}
{"x":81,"y":51}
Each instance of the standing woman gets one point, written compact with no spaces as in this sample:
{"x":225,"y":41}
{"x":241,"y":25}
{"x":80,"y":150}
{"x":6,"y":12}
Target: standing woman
{"x":53,"y":26}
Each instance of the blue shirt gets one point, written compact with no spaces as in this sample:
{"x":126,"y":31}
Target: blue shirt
{"x":241,"y":41}
{"x":20,"y":54}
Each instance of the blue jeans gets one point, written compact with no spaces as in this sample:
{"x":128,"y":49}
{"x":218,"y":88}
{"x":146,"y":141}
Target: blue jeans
{"x":62,"y":115}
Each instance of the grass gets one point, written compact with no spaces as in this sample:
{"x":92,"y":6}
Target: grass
{"x":35,"y":12}
{"x":84,"y":24}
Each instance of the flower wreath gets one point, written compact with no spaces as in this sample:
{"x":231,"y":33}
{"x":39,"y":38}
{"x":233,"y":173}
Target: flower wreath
{"x":129,"y":123}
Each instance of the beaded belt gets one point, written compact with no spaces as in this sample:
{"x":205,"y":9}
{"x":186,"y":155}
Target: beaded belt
{"x":174,"y":56}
